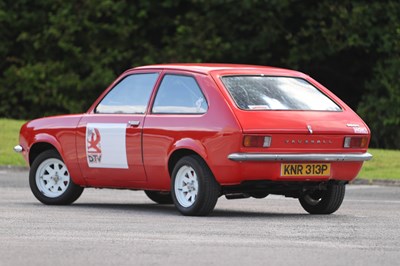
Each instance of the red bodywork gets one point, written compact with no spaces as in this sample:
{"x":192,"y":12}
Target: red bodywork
{"x":159,"y":140}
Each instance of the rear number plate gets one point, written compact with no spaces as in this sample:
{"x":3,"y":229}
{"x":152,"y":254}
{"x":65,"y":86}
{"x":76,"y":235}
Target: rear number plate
{"x":305,"y":169}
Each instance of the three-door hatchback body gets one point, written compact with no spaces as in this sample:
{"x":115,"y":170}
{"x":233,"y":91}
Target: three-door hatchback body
{"x":190,"y":133}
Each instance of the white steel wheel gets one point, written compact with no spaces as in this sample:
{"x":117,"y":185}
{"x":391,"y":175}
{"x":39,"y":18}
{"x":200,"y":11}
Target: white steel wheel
{"x":52,"y":178}
{"x":186,"y":186}
{"x":193,"y":187}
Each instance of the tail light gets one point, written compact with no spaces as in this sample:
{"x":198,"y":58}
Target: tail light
{"x":355,"y":142}
{"x":254,"y":141}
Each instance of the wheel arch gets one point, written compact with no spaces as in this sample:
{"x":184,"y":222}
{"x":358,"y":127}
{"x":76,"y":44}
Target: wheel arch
{"x":185,"y":147}
{"x":38,"y":148}
{"x":177,"y":155}
{"x":43,"y":142}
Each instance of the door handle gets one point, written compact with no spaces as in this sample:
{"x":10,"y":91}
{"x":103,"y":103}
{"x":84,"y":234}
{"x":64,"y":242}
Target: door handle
{"x":134,"y":123}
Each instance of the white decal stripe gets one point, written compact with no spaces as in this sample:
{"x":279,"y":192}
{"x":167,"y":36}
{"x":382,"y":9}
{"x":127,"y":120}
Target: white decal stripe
{"x":106,"y":145}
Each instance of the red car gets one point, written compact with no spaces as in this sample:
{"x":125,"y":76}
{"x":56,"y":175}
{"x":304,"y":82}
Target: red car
{"x":190,"y":133}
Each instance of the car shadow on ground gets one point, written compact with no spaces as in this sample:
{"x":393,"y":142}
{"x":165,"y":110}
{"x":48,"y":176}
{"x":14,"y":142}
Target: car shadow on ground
{"x":152,"y":208}
{"x":169,"y":210}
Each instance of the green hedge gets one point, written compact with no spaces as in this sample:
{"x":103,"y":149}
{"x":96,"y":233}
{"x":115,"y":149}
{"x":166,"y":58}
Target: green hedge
{"x":57,"y":56}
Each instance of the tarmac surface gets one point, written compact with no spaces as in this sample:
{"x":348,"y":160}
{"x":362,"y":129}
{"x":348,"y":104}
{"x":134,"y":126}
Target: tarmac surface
{"x":121,"y":227}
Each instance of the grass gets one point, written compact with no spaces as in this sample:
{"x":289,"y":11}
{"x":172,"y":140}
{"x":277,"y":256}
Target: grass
{"x":384,"y":165}
{"x":9,"y":137}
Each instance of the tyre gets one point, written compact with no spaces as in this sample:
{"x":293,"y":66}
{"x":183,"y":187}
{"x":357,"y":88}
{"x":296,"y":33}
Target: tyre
{"x":160,"y":197}
{"x":259,"y":194}
{"x":193,"y":187}
{"x":324,"y":201}
{"x":50,"y":181}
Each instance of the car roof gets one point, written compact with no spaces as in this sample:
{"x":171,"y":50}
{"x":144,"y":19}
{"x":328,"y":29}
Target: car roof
{"x":208,"y":68}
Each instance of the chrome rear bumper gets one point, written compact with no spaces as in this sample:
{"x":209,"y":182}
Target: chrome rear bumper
{"x":298,"y":157}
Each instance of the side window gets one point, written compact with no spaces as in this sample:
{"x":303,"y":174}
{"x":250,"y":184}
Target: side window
{"x":130,"y":96}
{"x":179,"y":94}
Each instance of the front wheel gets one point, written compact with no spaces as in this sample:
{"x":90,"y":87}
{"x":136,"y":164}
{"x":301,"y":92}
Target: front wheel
{"x":324,"y":201}
{"x":193,"y":187}
{"x":50,"y":181}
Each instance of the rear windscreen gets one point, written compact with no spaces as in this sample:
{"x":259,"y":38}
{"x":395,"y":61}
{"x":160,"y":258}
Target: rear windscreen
{"x":277,"y":93}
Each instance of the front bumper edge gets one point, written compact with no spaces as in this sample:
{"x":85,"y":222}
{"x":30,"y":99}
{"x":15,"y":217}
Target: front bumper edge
{"x":18,"y":148}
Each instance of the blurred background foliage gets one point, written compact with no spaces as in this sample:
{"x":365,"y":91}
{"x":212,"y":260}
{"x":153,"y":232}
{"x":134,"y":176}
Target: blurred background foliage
{"x":58,"y":56}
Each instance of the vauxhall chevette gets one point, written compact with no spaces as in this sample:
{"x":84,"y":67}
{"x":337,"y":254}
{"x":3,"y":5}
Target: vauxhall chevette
{"x":188,"y":134}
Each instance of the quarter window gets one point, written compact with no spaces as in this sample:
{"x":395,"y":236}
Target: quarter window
{"x":179,"y":94}
{"x":130,"y":96}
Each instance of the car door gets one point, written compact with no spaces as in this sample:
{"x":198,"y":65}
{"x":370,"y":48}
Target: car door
{"x":109,"y":139}
{"x":177,"y":117}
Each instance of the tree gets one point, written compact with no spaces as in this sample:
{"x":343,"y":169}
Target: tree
{"x":59,"y":56}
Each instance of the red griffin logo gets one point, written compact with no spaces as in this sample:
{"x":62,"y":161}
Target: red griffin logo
{"x":93,"y":145}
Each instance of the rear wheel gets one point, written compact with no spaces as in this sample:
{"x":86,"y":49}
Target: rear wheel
{"x":324,"y":201}
{"x":160,"y":197}
{"x":50,"y":181}
{"x":194,"y":189}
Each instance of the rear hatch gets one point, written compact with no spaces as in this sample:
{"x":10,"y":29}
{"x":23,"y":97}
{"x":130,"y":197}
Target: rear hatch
{"x":295,"y":113}
{"x":299,"y":131}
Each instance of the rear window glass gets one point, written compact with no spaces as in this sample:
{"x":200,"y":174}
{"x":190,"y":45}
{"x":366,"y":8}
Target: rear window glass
{"x":277,"y":93}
